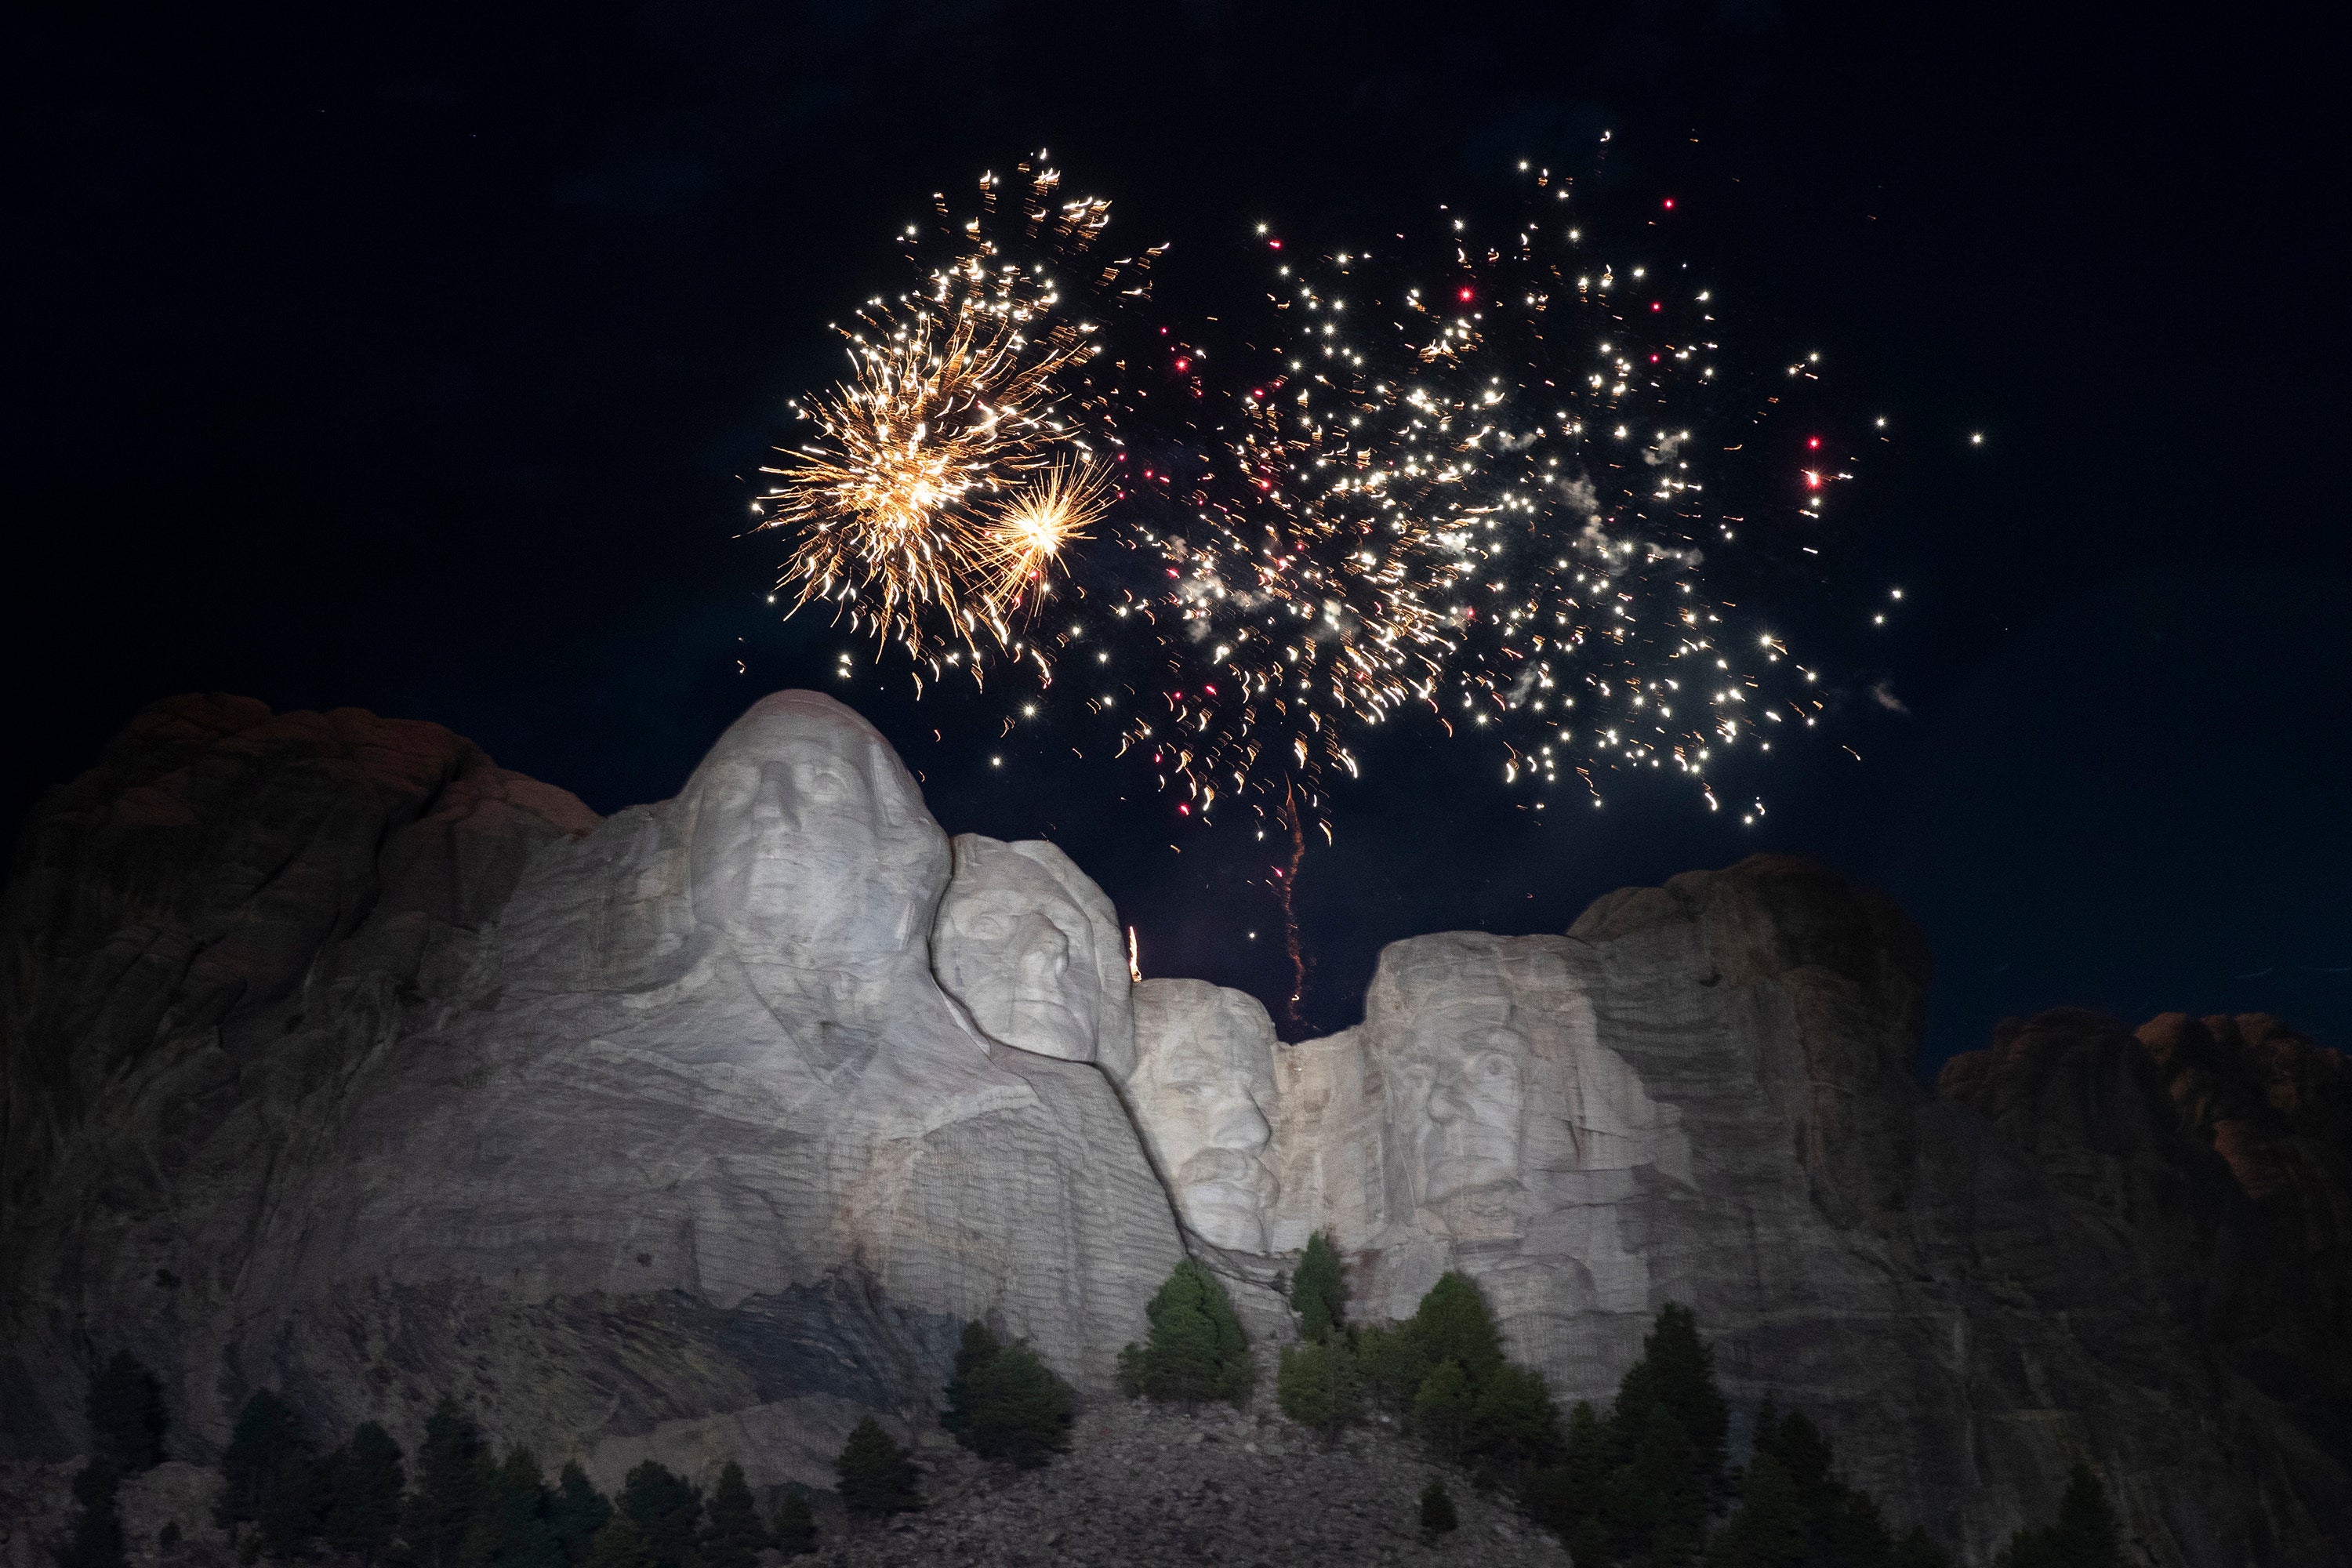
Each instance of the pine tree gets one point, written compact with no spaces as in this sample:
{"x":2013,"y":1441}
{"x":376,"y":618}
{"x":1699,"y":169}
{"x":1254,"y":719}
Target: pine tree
{"x":1677,"y":1371}
{"x":1514,"y":1426}
{"x":732,"y":1536}
{"x":510,"y":1528}
{"x":620,"y":1544}
{"x":1319,"y":1385}
{"x":288,"y":1519}
{"x":1319,"y":1292}
{"x":1024,"y":1411}
{"x":2086,"y":1535}
{"x":1848,"y":1530}
{"x":876,"y":1474}
{"x":795,"y":1530}
{"x":1917,"y":1551}
{"x":126,"y":1416}
{"x":1568,"y":1497}
{"x":266,"y":1433}
{"x":1657,"y":1497}
{"x":1769,"y":1529}
{"x":978,"y":1349}
{"x":1393,"y":1364}
{"x":1005,"y":1404}
{"x":1443,"y":1410}
{"x":363,"y":1482}
{"x":449,"y":1475}
{"x":96,"y":1539}
{"x":576,"y":1513}
{"x":1437,"y":1514}
{"x":665,"y":1509}
{"x":1453,"y":1323}
{"x":1842,"y":1526}
{"x":1196,"y":1349}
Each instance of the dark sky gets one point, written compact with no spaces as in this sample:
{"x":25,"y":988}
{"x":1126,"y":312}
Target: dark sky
{"x":418,"y":366}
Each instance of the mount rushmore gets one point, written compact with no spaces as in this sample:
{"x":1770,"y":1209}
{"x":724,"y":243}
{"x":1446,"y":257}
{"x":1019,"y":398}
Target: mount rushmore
{"x":338,"y":1060}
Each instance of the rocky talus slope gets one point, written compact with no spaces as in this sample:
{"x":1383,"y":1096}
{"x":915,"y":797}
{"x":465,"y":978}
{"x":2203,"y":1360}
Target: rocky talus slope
{"x":337,"y":1060}
{"x":1147,"y":1485}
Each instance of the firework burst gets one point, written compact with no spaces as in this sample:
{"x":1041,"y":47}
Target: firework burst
{"x":1026,"y":537}
{"x":951,"y":465}
{"x":1486,"y":482}
{"x":1462,"y":479}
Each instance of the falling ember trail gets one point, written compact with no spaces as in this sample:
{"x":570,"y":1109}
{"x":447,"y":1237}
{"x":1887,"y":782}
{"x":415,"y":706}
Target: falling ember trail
{"x":1298,"y":962}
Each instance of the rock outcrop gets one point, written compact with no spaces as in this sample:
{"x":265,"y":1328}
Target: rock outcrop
{"x":340,"y":1061}
{"x":685,"y":1151}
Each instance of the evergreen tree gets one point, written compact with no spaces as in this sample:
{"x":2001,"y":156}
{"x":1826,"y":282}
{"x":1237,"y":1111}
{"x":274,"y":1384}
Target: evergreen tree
{"x":1660,"y":1508}
{"x":1514,"y":1426}
{"x":876,"y":1474}
{"x":96,"y":1539}
{"x":1916,"y":1550}
{"x":665,"y":1509}
{"x":1319,"y":1294}
{"x":620,"y":1544}
{"x":1453,"y":1323}
{"x":979,"y":1348}
{"x":576,"y":1513}
{"x":1393,"y":1364}
{"x":1769,"y":1529}
{"x":291,"y":1503}
{"x":1569,"y":1497}
{"x":1849,"y":1530}
{"x":1443,"y":1410}
{"x":1677,"y":1371}
{"x":511,"y":1528}
{"x":2086,"y":1535}
{"x":795,"y":1530}
{"x":267,"y":1431}
{"x":363,"y":1482}
{"x":126,"y":1416}
{"x":1319,"y":1385}
{"x":1437,"y":1514}
{"x":732,"y":1535}
{"x":450,"y":1466}
{"x":1196,"y":1348}
{"x":1005,"y":1404}
{"x":1843,"y":1527}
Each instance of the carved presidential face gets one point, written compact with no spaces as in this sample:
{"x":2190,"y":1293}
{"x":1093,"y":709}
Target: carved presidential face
{"x":810,"y":845}
{"x":1204,"y":1072}
{"x":1030,"y":948}
{"x":1465,"y":1079}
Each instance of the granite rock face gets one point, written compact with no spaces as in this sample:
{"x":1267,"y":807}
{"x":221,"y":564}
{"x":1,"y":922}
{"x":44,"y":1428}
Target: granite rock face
{"x":684,"y":1151}
{"x":1200,"y":1091}
{"x":1030,"y":948}
{"x":340,"y":1061}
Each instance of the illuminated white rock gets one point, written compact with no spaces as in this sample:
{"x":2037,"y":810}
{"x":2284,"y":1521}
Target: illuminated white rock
{"x":1031,"y":947}
{"x":1200,"y":1092}
{"x":688,"y":1143}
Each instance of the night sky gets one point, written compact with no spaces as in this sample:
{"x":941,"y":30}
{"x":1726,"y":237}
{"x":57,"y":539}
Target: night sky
{"x":427,"y":369}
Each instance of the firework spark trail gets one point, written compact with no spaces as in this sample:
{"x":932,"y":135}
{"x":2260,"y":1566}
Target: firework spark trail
{"x":1288,"y":880}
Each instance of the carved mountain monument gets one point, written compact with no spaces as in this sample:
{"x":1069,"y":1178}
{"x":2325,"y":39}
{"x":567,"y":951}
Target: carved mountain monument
{"x":340,"y":1061}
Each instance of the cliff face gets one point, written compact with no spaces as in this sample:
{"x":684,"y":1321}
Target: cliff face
{"x":340,"y":1061}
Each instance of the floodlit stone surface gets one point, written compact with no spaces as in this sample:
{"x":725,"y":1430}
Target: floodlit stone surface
{"x":338,"y":1060}
{"x":1032,"y":949}
{"x":685,"y":1145}
{"x":1200,"y":1091}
